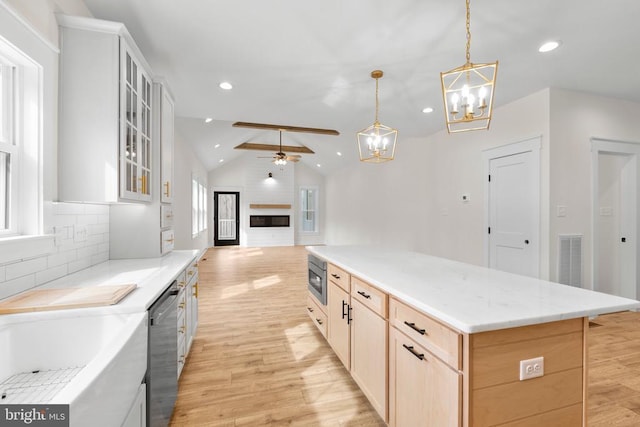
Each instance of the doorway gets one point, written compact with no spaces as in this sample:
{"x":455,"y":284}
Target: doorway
{"x":615,"y":220}
{"x":512,"y":201}
{"x":226,"y":218}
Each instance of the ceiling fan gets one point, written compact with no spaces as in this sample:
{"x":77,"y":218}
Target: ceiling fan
{"x":282,"y":158}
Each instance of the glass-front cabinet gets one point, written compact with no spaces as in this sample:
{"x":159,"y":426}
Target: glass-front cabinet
{"x":135,"y":142}
{"x":106,"y":120}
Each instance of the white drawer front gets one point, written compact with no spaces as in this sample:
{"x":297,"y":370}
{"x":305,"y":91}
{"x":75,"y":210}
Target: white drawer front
{"x":166,"y":216}
{"x":167,"y":241}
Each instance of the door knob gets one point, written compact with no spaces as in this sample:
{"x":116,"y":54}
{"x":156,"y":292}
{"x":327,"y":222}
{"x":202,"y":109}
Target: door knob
{"x":526,"y":242}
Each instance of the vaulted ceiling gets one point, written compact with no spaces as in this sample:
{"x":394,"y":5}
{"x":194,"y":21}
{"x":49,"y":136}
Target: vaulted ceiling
{"x":305,"y":63}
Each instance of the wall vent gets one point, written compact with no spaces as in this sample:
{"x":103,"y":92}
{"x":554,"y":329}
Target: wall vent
{"x":570,"y":259}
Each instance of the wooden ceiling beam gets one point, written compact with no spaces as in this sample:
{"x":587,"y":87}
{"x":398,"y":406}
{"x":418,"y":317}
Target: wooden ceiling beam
{"x":274,"y":148}
{"x":286,"y":128}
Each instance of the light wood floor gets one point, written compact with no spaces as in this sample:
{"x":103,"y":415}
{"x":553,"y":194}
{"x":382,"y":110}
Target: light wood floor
{"x":258,"y":360}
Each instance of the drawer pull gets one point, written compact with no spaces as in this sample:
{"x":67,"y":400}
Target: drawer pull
{"x":319,"y":321}
{"x":415,"y":328}
{"x":335,"y":276}
{"x":310,"y":309}
{"x":364,"y":294}
{"x":412,"y":351}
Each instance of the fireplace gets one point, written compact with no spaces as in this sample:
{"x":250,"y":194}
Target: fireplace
{"x":269,"y":221}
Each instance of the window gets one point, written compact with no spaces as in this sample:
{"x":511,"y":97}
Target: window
{"x":9,"y":159}
{"x":27,"y":107}
{"x":198,"y":206}
{"x":309,"y":209}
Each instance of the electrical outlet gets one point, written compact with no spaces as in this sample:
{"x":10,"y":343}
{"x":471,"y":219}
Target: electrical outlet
{"x":80,"y":233}
{"x":531,"y":368}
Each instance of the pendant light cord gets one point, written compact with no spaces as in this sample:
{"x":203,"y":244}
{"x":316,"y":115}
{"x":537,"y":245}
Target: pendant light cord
{"x":376,"y":121}
{"x":468,"y":33}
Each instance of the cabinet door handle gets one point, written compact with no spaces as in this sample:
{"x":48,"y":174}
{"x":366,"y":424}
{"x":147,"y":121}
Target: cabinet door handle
{"x":166,"y":186}
{"x":335,"y":276}
{"x":364,"y":294}
{"x":344,"y":304}
{"x":319,"y":321}
{"x":310,"y":309}
{"x":415,"y":328}
{"x":349,"y":319}
{"x":412,"y":351}
{"x":195,"y":290}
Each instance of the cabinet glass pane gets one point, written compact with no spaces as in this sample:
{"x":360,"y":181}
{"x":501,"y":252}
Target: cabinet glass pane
{"x":128,"y":74}
{"x":134,"y":75}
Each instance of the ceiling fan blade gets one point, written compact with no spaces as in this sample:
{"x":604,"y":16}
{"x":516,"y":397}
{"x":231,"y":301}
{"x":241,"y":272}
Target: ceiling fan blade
{"x":286,"y":128}
{"x":274,"y":148}
{"x":292,"y":159}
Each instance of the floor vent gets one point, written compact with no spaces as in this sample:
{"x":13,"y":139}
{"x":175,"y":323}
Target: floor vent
{"x":570,"y":260}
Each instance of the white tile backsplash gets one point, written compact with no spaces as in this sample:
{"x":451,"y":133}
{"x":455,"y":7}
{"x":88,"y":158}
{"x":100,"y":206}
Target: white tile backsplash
{"x":69,"y":256}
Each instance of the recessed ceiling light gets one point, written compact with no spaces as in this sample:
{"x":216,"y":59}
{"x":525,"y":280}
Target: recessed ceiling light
{"x":427,"y":110}
{"x":549,"y":46}
{"x":208,"y":120}
{"x":318,"y":165}
{"x":221,"y":160}
{"x":216,"y":146}
{"x":339,"y":153}
{"x":226,"y":86}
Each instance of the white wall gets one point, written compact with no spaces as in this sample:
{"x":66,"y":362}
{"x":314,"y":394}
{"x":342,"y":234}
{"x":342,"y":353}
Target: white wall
{"x":413,"y":202}
{"x":249,"y":175}
{"x":71,"y":254}
{"x":31,"y":27}
{"x":186,"y":164}
{"x":40,"y":14}
{"x":578,"y":117}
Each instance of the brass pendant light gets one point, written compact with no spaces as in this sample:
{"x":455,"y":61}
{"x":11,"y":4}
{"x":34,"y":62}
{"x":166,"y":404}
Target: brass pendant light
{"x":377,"y":143}
{"x":468,"y":91}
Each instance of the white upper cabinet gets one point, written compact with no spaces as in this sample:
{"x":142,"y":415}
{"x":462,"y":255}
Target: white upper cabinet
{"x":105,"y":144}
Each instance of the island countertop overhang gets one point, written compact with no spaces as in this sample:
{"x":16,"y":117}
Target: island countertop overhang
{"x":467,"y":297}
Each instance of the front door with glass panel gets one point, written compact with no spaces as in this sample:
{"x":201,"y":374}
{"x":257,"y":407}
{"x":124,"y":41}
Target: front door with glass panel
{"x":226,"y":208}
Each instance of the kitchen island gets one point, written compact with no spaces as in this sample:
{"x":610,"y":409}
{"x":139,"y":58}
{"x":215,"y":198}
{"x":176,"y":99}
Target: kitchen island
{"x":432,"y":341}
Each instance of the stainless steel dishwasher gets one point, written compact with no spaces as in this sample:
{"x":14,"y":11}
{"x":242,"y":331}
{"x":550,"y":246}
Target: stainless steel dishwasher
{"x":162,"y":361}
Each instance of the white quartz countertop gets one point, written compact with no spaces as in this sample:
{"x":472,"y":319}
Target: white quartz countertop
{"x":151,"y":275}
{"x":467,"y":297}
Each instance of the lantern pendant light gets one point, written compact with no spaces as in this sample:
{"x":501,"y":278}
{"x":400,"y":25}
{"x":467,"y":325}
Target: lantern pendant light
{"x":377,"y":143}
{"x":468,"y":91}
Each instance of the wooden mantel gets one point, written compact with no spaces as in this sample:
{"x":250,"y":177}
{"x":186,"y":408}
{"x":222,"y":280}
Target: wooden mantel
{"x":269,"y":206}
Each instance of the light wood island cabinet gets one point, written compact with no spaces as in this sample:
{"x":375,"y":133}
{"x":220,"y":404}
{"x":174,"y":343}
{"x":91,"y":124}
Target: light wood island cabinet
{"x":357,"y":332}
{"x":463,"y":346}
{"x":339,"y":318}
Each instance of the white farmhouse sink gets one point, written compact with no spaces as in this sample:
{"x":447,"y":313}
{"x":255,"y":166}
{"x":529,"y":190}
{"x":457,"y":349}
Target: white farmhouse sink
{"x":98,"y":358}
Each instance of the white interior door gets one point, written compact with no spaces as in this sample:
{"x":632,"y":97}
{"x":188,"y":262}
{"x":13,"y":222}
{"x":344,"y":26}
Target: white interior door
{"x":616,"y":224}
{"x":513,"y":196}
